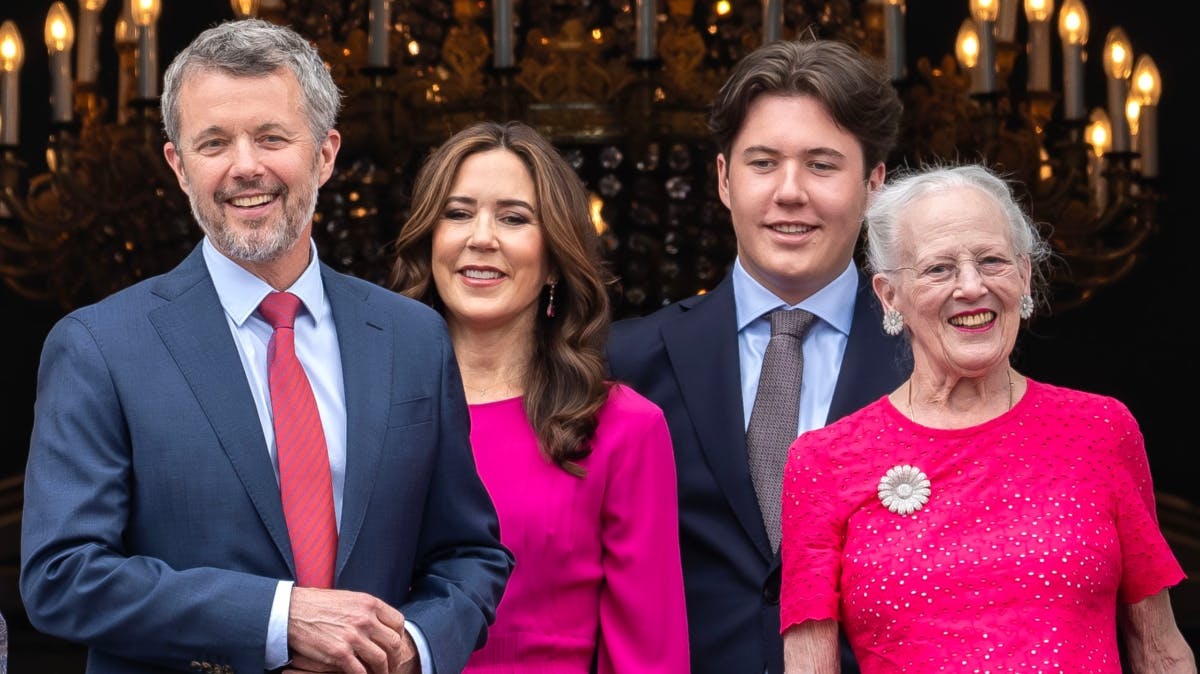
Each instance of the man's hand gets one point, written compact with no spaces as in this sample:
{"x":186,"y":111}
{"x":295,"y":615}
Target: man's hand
{"x":347,"y":632}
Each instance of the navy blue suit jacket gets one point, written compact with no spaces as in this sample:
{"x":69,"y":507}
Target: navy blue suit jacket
{"x":153,"y":530}
{"x":684,"y":357}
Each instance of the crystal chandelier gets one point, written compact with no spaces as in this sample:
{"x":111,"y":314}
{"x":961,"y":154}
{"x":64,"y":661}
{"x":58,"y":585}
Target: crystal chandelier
{"x":620,"y":86}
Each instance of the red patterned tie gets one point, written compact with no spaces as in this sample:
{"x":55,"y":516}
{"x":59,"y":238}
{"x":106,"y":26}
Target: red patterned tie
{"x":304,"y":478}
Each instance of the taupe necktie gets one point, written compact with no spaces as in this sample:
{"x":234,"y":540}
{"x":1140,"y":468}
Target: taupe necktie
{"x":773,"y":421}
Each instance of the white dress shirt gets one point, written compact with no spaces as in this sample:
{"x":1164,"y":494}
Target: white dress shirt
{"x":823,"y":345}
{"x":240,"y":293}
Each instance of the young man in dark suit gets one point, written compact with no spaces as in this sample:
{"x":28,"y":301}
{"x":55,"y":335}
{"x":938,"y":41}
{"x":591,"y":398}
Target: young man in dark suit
{"x":803,"y":130}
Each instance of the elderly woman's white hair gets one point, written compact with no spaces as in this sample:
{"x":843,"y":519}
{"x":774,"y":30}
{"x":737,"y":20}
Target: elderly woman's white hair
{"x":891,"y":200}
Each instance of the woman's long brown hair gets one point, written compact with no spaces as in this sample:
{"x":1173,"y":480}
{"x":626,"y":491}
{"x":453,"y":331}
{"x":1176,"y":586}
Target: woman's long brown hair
{"x":565,"y":385}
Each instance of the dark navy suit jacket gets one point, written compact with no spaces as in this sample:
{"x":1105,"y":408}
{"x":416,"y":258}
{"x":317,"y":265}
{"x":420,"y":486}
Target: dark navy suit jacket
{"x":684,"y":357}
{"x":153,"y":530}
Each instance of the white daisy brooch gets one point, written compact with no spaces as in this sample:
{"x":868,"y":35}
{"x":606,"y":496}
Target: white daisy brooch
{"x":904,"y":489}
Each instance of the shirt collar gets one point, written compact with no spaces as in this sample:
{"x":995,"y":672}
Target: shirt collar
{"x":240,"y":292}
{"x":833,"y":304}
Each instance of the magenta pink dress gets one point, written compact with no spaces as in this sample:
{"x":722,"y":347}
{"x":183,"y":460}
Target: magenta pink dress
{"x":597,"y":570}
{"x":1038,"y":523}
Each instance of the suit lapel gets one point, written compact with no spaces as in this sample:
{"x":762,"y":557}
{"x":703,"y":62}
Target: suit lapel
{"x":193,"y":327}
{"x":703,"y":349}
{"x":367,"y":362}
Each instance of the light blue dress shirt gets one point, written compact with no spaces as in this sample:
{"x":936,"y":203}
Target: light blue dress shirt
{"x":240,"y":293}
{"x":823,"y":345}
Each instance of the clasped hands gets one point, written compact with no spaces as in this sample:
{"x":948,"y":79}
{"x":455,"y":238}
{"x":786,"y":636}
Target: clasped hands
{"x":348,"y":633}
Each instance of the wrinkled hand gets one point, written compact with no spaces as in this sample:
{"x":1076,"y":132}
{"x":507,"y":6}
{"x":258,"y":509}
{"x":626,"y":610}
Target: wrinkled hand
{"x":347,"y":632}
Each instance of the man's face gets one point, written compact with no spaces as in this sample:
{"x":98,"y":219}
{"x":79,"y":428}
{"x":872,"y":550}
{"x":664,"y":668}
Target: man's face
{"x":794,"y":186}
{"x":248,"y":162}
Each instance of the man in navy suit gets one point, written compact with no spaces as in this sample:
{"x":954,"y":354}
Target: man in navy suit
{"x":153,"y":530}
{"x":803,"y":130}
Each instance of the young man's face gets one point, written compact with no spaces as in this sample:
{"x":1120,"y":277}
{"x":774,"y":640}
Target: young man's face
{"x":794,"y":186}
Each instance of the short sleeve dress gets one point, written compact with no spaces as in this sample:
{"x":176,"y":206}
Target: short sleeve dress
{"x":1037,"y":524}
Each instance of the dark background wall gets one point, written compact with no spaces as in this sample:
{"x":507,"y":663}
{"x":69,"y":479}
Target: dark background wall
{"x":1133,"y":341}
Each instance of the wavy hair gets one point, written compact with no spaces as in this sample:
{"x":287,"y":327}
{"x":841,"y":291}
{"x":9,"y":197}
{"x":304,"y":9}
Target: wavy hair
{"x":565,"y":381}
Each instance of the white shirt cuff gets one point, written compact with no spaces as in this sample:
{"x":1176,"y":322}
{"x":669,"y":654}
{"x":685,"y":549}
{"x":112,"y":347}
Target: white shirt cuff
{"x":422,"y":647}
{"x":277,"y":646}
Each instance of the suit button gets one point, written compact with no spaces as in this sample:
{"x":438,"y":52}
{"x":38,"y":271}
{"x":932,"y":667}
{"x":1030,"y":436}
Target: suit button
{"x":771,"y":594}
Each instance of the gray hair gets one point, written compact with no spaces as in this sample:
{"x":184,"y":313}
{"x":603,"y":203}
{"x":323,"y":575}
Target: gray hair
{"x":255,"y":48}
{"x":891,"y":200}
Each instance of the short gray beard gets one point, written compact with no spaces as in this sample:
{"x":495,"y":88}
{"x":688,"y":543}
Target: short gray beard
{"x":258,"y":245}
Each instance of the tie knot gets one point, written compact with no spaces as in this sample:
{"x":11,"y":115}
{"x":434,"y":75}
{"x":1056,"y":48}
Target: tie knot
{"x":794,"y":322}
{"x":280,"y":309}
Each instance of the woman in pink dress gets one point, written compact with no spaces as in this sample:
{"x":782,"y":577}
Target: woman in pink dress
{"x":973,"y":520}
{"x":581,"y":470}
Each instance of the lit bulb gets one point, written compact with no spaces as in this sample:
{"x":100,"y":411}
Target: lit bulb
{"x":244,"y":8}
{"x":1147,"y":84}
{"x":60,"y":30}
{"x":1038,"y":10}
{"x":596,"y":209}
{"x":124,"y":33}
{"x":1099,"y":132}
{"x":12,"y":49}
{"x":1133,"y":112}
{"x":145,"y":12}
{"x":94,"y":5}
{"x":1046,"y":170}
{"x":966,"y":46}
{"x":1118,"y":54}
{"x":985,"y":10}
{"x":1073,"y":23}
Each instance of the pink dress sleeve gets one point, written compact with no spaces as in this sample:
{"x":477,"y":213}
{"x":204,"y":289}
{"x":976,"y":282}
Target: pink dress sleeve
{"x":813,"y":532}
{"x":643,"y":621}
{"x":1148,"y":563}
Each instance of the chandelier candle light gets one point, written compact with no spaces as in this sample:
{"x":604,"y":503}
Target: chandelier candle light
{"x":12,"y":57}
{"x":60,"y":36}
{"x":1037,"y":13}
{"x":379,"y":22}
{"x":145,"y":17}
{"x":87,"y":63}
{"x":984,"y":12}
{"x":125,"y":42}
{"x":893,"y":39}
{"x":647,"y":30}
{"x":772,"y":26}
{"x":1118,"y":65}
{"x":1073,"y":29}
{"x":1147,"y":89}
{"x":502,"y":28}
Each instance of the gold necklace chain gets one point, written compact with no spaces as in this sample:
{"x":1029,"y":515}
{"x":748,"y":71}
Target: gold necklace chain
{"x":494,"y":385}
{"x":913,"y":415}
